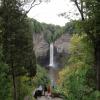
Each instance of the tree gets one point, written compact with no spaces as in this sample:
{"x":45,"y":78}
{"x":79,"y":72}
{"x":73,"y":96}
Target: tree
{"x":17,"y":41}
{"x":4,"y":79}
{"x":91,"y":24}
{"x":77,"y":78}
{"x":51,"y":32}
{"x":70,"y":27}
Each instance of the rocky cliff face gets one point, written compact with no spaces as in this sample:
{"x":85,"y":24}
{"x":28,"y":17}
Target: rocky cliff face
{"x":41,"y":48}
{"x":62,"y":44}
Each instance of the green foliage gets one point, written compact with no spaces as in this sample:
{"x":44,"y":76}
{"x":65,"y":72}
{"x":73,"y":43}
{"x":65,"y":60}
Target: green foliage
{"x":95,"y":95}
{"x":25,"y":87}
{"x":51,"y":32}
{"x":17,"y":44}
{"x":28,"y":85}
{"x":17,"y":38}
{"x":91,"y":26}
{"x":5,"y":83}
{"x":36,"y":27}
{"x":70,"y":27}
{"x":81,"y":50}
{"x":75,"y":79}
{"x":41,"y":77}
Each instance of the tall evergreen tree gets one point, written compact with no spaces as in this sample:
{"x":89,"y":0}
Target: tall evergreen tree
{"x":17,"y":41}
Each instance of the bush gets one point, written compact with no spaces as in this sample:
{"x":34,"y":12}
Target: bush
{"x":5,"y":83}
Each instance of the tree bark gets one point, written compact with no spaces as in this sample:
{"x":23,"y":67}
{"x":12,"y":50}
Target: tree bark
{"x":97,"y":57}
{"x":80,"y":9}
{"x":97,"y":28}
{"x":14,"y":83}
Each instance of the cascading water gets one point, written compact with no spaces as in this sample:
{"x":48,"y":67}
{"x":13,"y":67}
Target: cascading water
{"x":53,"y":69}
{"x":51,"y":55}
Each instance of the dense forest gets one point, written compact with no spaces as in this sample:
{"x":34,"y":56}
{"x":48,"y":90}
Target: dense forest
{"x":20,"y":72}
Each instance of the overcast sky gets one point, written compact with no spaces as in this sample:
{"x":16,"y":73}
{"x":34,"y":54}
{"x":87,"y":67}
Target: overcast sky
{"x":48,"y":12}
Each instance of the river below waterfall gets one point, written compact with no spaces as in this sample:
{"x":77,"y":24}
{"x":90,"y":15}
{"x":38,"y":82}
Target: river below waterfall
{"x":53,"y":70}
{"x":53,"y":74}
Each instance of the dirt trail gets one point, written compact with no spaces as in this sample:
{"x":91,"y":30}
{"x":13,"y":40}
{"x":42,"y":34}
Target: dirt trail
{"x":46,"y":98}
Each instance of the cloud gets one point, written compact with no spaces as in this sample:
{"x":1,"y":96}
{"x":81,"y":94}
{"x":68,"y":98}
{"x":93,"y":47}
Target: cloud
{"x":48,"y":12}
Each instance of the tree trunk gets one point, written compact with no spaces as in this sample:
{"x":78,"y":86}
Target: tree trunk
{"x":14,"y":83}
{"x":80,"y":8}
{"x":97,"y":55}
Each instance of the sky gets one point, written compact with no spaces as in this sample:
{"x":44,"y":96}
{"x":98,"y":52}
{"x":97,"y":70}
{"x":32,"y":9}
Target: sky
{"x":48,"y":12}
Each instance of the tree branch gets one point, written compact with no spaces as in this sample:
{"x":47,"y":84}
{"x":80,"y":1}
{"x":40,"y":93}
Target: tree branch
{"x":80,"y":9}
{"x":32,"y":5}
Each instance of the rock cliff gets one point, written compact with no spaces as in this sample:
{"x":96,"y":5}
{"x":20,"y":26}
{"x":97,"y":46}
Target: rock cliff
{"x":41,"y":48}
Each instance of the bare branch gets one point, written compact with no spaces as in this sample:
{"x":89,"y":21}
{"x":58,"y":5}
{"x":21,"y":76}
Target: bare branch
{"x":33,"y":5}
{"x":80,"y":8}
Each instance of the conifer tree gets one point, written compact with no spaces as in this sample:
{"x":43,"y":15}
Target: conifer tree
{"x":17,"y":41}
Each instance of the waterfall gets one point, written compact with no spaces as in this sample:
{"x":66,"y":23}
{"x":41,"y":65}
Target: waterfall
{"x":51,"y":55}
